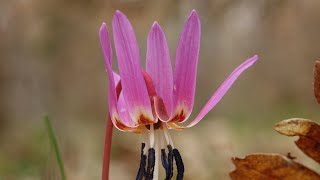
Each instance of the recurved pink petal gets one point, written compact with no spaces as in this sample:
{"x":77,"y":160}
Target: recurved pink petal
{"x":133,"y":85}
{"x":185,"y":72}
{"x":158,"y":65}
{"x":112,"y":97}
{"x":223,"y":89}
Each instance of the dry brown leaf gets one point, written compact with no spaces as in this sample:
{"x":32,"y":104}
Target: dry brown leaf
{"x":299,"y":127}
{"x":270,"y":167}
{"x":294,"y":127}
{"x":307,"y":130}
{"x":316,"y":81}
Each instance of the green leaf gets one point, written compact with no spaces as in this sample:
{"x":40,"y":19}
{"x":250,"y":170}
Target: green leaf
{"x":54,"y":144}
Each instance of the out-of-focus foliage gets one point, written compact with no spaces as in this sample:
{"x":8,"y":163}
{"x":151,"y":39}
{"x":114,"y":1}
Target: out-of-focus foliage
{"x":51,"y":62}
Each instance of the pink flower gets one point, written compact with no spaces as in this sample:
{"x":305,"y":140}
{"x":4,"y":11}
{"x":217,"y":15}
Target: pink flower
{"x":157,"y":99}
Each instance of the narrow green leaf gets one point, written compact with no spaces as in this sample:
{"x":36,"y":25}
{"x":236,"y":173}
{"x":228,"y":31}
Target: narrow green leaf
{"x":54,"y":144}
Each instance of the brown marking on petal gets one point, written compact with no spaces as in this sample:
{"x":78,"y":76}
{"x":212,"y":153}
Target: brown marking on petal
{"x":143,"y":120}
{"x":179,"y":116}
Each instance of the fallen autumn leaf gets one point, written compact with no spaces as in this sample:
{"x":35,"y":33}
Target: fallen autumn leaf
{"x":308,"y":132}
{"x":270,"y":167}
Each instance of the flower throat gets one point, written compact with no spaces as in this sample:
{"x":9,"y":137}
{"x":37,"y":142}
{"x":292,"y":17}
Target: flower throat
{"x":155,"y":150}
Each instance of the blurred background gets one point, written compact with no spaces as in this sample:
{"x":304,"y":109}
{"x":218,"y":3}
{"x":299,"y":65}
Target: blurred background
{"x":51,"y":62}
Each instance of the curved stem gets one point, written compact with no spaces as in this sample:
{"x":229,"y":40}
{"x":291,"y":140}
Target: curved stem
{"x":107,"y":150}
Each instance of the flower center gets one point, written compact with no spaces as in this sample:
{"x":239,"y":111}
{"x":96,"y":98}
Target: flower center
{"x":155,"y":126}
{"x":158,"y":146}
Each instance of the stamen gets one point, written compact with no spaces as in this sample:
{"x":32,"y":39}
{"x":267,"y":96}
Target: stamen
{"x":171,"y":143}
{"x":145,"y":139}
{"x":143,"y":160}
{"x":179,"y":164}
{"x":167,"y":136}
{"x":151,"y":163}
{"x":164,"y":159}
{"x":145,"y":151}
{"x":169,"y":169}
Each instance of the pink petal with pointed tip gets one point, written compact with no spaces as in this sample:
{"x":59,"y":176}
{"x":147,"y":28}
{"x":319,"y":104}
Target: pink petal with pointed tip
{"x":223,"y":89}
{"x":112,"y":97}
{"x":185,"y":72}
{"x":133,"y":86}
{"x":158,"y":65}
{"x":105,"y":43}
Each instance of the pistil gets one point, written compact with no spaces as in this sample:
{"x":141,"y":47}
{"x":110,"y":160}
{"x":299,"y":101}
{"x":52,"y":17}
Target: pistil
{"x":151,"y":131}
{"x":167,"y":136}
{"x":156,"y":147}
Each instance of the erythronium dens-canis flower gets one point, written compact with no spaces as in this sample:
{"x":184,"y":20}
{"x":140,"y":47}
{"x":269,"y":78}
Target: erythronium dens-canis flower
{"x":154,"y":100}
